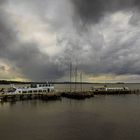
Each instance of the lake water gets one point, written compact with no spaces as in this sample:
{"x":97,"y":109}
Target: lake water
{"x":99,"y":118}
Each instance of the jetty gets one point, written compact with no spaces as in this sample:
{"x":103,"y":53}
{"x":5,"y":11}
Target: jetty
{"x":78,"y":95}
{"x":29,"y":96}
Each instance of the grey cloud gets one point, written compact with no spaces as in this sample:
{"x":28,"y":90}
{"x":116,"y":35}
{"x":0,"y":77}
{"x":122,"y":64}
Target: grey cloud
{"x":2,"y":68}
{"x":34,"y":64}
{"x":6,"y":35}
{"x":3,"y":2}
{"x":86,"y":46}
{"x":92,"y":11}
{"x":118,"y":57}
{"x":135,"y":18}
{"x":26,"y":57}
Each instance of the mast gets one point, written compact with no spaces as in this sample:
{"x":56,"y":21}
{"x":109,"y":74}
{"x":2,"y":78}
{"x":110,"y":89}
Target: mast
{"x":70,"y":75}
{"x":81,"y":81}
{"x":75,"y":77}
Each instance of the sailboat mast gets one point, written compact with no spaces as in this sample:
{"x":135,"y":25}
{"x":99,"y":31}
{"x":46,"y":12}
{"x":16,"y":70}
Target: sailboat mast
{"x":70,"y":74}
{"x":81,"y":81}
{"x":75,"y":78}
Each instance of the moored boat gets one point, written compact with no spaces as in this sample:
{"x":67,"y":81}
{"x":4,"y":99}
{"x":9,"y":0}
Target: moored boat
{"x":110,"y":90}
{"x":33,"y":88}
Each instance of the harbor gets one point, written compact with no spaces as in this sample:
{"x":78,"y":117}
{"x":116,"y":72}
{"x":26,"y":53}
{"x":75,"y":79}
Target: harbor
{"x":69,"y":69}
{"x":47,"y":91}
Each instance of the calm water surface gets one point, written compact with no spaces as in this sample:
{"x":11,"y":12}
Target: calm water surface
{"x":99,"y":118}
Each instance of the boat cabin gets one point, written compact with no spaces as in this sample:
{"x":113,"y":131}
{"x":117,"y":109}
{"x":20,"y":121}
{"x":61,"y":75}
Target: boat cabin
{"x":40,"y":85}
{"x":110,"y":88}
{"x":34,"y":88}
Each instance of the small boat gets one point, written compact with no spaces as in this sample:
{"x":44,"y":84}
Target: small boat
{"x":104,"y":88}
{"x":110,"y":90}
{"x":33,"y":88}
{"x":116,"y":88}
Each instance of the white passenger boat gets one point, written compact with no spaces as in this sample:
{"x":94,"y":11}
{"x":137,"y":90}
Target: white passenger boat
{"x":33,"y":88}
{"x":104,"y":88}
{"x":116,"y":88}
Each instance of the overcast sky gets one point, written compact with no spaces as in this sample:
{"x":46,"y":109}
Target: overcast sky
{"x":39,"y":39}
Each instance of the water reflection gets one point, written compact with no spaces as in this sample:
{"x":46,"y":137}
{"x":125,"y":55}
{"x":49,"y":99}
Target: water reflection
{"x":100,"y":118}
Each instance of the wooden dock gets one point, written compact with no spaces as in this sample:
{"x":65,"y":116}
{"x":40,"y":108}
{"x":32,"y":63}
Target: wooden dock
{"x":78,"y":95}
{"x":45,"y":96}
{"x":29,"y":96}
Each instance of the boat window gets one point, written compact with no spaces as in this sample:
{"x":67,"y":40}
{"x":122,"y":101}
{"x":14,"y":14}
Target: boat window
{"x":48,"y":90}
{"x":33,"y":86}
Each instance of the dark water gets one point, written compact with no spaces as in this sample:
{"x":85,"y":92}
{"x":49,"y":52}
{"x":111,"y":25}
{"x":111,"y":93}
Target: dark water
{"x":99,"y":118}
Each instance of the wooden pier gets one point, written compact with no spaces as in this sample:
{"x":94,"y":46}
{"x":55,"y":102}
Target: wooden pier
{"x":29,"y":96}
{"x":78,"y":95}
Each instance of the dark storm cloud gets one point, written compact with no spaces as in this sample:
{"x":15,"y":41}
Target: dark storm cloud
{"x":26,"y":57}
{"x":87,"y":48}
{"x":91,"y":11}
{"x":34,"y":64}
{"x":119,"y":57}
{"x":6,"y":35}
{"x":2,"y":68}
